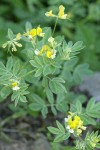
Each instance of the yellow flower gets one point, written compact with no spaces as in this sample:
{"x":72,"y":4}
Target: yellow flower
{"x":74,"y":124}
{"x":45,"y":48}
{"x":61,"y":13}
{"x":49,"y":54}
{"x":77,"y":118}
{"x":15,"y":85}
{"x":47,"y":51}
{"x":49,"y":14}
{"x":39,"y":32}
{"x":33,"y":32}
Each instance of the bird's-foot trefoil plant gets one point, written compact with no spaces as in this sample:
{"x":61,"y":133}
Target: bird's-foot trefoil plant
{"x":39,"y":75}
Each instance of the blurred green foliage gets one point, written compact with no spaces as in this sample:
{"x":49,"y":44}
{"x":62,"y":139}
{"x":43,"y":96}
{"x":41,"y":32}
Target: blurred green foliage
{"x":84,"y":24}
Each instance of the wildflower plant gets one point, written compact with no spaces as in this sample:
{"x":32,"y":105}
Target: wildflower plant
{"x":39,"y":74}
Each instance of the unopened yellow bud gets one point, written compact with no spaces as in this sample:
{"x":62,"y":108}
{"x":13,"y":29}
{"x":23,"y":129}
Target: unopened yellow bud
{"x":79,"y":131}
{"x":18,"y":36}
{"x":49,"y":14}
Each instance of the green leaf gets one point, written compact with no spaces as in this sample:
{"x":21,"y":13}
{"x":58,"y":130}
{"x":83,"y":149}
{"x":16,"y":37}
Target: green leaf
{"x":37,"y":99}
{"x":59,"y":138}
{"x":62,"y":106}
{"x":93,"y":109}
{"x":47,"y":35}
{"x":34,"y":63}
{"x":61,"y":103}
{"x":45,"y":82}
{"x":5,"y":77}
{"x":90,"y":105}
{"x":38,"y":104}
{"x":71,"y":50}
{"x":28,"y":26}
{"x":53,"y":110}
{"x":66,"y":136}
{"x":48,"y":69}
{"x":78,"y":46}
{"x":10,"y":34}
{"x":81,"y":71}
{"x":94,"y":114}
{"x":22,"y":72}
{"x":60,"y":126}
{"x":98,"y":145}
{"x":38,"y":72}
{"x":23,"y":99}
{"x":44,"y":111}
{"x":14,"y":95}
{"x":2,"y":69}
{"x":16,"y":67}
{"x":87,"y":120}
{"x":35,"y":107}
{"x":56,"y":86}
{"x":30,"y":54}
{"x":54,"y":130}
{"x":79,"y":106}
{"x":69,"y":65}
{"x":58,"y":79}
{"x":9,"y":64}
{"x":50,"y":96}
{"x":4,"y":92}
{"x":39,"y":61}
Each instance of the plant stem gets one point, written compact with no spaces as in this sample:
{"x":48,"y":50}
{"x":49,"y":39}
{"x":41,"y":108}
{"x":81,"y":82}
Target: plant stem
{"x":28,"y":73}
{"x":55,"y":26}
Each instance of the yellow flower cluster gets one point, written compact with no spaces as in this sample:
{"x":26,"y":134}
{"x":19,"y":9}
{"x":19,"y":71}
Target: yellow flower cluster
{"x":47,"y":51}
{"x":34,"y":32}
{"x":74,"y":124}
{"x":60,"y":15}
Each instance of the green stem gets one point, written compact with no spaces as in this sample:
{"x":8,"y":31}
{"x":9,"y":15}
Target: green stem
{"x":49,"y":105}
{"x":55,"y":26}
{"x":28,"y":73}
{"x":36,"y":41}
